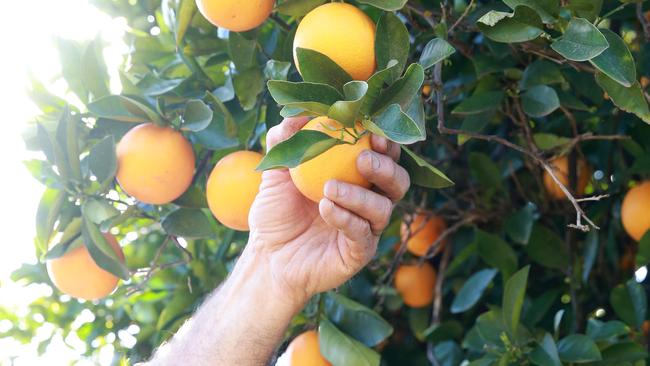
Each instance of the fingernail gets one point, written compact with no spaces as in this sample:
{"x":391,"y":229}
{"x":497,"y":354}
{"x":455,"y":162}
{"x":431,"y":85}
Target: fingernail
{"x":370,"y":160}
{"x":331,"y":189}
{"x":375,"y":161}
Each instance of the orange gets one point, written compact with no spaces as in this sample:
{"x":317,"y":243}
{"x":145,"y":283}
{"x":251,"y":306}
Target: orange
{"x":645,"y":81}
{"x":416,"y":284}
{"x":426,"y":90}
{"x":424,"y":231}
{"x":236,"y":15}
{"x":635,"y":211}
{"x":76,"y":273}
{"x":155,"y":164}
{"x":304,"y":350}
{"x":343,"y":33}
{"x":561,"y":168}
{"x":339,"y":162}
{"x":232,"y":187}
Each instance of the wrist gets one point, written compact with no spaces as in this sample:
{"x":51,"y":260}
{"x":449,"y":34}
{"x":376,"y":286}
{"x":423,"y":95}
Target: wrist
{"x":256,"y":274}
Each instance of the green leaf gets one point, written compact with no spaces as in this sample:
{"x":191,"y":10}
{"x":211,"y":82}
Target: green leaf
{"x":588,"y":9}
{"x":102,"y":159}
{"x":616,"y":61}
{"x":346,"y":111}
{"x":360,"y":322}
{"x":388,"y":5}
{"x":484,"y":170}
{"x":519,"y":225}
{"x":479,"y":102}
{"x":546,"y":353}
{"x":93,"y":73}
{"x":341,"y":350}
{"x":402,"y":91}
{"x":67,"y":136}
{"x":186,"y":11}
{"x":248,"y":84}
{"x":422,"y":173}
{"x":541,"y":72}
{"x":375,"y":85}
{"x":630,"y":303}
{"x":276,"y":70}
{"x":629,"y":99}
{"x":48,"y":211}
{"x":472,"y":290}
{"x":582,"y":41}
{"x":312,"y":97}
{"x":392,"y":42}
{"x":395,"y":125}
{"x":298,"y":8}
{"x":316,"y":67}
{"x":98,"y":210}
{"x":241,"y":50}
{"x":299,"y":148}
{"x":496,"y":252}
{"x":578,"y":348}
{"x":513,"y":299}
{"x":540,"y":101}
{"x":549,"y":141}
{"x":621,"y":353}
{"x":521,"y":26}
{"x":548,"y":10}
{"x":194,"y":197}
{"x":70,"y":240}
{"x":121,"y":108}
{"x":100,"y":251}
{"x":547,"y":249}
{"x":590,"y":253}
{"x":435,"y":51}
{"x":643,"y":255}
{"x":602,"y":331}
{"x":197,"y":116}
{"x":187,"y":223}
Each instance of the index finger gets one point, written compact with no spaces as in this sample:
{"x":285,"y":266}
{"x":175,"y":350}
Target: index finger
{"x":284,"y":130}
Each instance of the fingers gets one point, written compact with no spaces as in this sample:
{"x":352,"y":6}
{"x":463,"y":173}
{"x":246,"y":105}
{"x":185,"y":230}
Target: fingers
{"x":353,"y":226}
{"x":284,"y":130}
{"x":384,"y":146}
{"x":384,"y":173}
{"x":371,"y":206}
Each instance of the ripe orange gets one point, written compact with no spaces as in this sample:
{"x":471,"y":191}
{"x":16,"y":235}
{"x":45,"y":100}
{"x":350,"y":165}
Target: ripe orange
{"x":235,"y":15}
{"x":155,"y":164}
{"x":635,"y":211}
{"x":232,"y":187}
{"x":339,"y":162}
{"x":343,"y":33}
{"x":304,"y":350}
{"x":416,"y":284}
{"x":424,"y":231}
{"x":76,"y":273}
{"x":426,"y":90}
{"x":561,"y":169}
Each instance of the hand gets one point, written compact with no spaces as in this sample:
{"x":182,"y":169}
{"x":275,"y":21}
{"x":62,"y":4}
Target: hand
{"x":312,"y":247}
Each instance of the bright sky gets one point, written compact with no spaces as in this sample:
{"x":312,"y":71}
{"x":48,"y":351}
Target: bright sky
{"x":26,"y":33}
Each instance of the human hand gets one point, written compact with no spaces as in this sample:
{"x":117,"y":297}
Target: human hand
{"x":312,"y":247}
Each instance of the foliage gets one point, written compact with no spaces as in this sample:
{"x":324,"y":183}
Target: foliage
{"x":515,"y":83}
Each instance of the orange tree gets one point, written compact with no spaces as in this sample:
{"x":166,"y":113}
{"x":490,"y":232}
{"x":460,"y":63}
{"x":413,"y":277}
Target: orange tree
{"x":524,"y":124}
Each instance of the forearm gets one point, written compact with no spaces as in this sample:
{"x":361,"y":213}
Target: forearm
{"x":240,"y":324}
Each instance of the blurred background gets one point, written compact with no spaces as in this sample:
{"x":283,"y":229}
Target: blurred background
{"x":27,"y":34}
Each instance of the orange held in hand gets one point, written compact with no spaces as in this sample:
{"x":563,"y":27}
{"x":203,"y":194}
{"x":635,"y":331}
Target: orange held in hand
{"x":236,"y":15}
{"x":155,"y":164}
{"x":561,"y":169}
{"x":424,"y":231}
{"x":232,"y":187}
{"x":76,"y":273}
{"x":341,"y":32}
{"x":304,"y":350}
{"x":416,"y":284}
{"x":635,"y":211}
{"x":339,"y":162}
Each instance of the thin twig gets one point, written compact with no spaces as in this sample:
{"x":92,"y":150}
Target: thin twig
{"x":645,"y":24}
{"x":462,"y":17}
